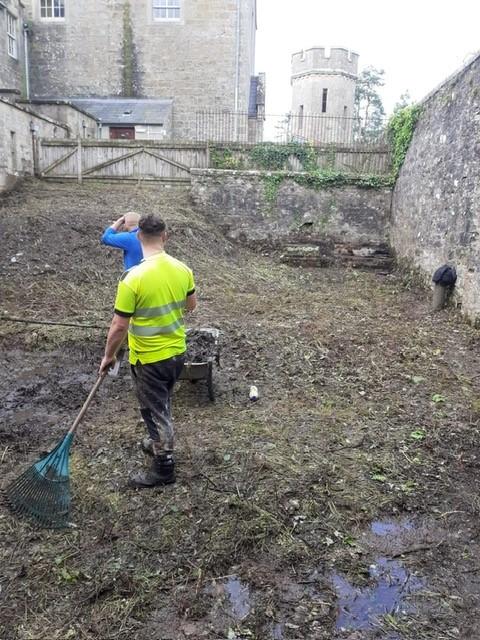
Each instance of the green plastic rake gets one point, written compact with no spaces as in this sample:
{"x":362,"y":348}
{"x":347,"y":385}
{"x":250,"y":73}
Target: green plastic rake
{"x":42,"y":492}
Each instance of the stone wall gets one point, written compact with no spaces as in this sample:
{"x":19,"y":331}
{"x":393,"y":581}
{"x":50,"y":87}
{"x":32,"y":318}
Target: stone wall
{"x":16,"y":143}
{"x":247,"y":209}
{"x":80,"y":54}
{"x":106,"y":48}
{"x":78,"y":122}
{"x":436,"y":202}
{"x":12,"y":66}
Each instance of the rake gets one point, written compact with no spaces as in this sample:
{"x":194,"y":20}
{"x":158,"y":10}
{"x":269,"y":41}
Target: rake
{"x":42,"y":492}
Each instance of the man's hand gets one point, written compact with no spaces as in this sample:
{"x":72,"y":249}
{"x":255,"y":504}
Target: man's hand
{"x":106,"y":364}
{"x":118,"y":224}
{"x":117,"y":335}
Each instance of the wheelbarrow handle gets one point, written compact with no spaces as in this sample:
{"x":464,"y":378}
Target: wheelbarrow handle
{"x":113,"y":371}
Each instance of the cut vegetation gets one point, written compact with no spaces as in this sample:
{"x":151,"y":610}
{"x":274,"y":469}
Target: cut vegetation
{"x":354,"y":478}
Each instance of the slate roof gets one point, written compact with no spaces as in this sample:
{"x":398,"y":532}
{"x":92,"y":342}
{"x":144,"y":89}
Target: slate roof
{"x":125,"y":110}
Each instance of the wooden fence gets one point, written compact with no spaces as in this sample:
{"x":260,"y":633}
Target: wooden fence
{"x":119,"y":160}
{"x":171,"y":162}
{"x":355,"y":159}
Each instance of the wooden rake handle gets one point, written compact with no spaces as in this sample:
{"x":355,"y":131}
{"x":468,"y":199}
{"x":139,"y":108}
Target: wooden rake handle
{"x":93,"y":391}
{"x":87,"y":402}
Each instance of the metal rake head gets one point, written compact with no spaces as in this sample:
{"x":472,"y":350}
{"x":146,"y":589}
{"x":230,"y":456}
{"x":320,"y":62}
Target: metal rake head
{"x":42,"y":492}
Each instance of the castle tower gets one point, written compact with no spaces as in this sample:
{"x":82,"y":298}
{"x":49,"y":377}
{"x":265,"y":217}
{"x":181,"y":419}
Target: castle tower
{"x":323,"y":94}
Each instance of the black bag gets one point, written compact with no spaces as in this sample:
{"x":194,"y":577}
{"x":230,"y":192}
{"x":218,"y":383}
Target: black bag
{"x":445,"y":275}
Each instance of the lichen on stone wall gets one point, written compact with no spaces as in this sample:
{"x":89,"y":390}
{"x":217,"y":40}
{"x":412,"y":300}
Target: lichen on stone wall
{"x":130,"y":86}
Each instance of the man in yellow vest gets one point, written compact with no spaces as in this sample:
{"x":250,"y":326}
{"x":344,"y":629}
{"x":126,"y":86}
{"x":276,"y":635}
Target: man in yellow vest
{"x":150,"y":304}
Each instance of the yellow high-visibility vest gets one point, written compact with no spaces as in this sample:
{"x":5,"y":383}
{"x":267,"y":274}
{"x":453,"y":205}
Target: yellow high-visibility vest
{"x":153,"y":294}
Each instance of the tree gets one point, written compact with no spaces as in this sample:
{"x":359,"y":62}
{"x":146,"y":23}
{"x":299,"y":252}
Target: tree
{"x":369,"y":109}
{"x":404,"y":101}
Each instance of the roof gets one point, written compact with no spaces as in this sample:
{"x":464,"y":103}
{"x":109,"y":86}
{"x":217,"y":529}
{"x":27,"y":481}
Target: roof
{"x":125,"y":110}
{"x":59,"y":102}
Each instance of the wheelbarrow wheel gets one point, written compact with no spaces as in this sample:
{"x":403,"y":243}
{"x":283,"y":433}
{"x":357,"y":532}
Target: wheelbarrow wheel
{"x":211,"y":392}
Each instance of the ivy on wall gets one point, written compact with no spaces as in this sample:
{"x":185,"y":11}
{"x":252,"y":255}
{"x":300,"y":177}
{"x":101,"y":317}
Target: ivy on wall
{"x":400,"y":131}
{"x":323,"y":179}
{"x":226,"y":159}
{"x":266,"y":155}
{"x":275,"y":157}
{"x":275,"y":160}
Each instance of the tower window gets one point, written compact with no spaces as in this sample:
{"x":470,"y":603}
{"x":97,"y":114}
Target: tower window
{"x":12,"y":35}
{"x":324,"y":100}
{"x":53,"y":9}
{"x":300,"y":117}
{"x":166,"y":9}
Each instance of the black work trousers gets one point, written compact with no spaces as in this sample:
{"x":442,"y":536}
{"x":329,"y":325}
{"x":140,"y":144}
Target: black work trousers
{"x":154,"y":387}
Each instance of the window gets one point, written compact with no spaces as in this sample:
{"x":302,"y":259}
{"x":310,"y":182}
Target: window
{"x":324,"y":100}
{"x":300,"y":118}
{"x":166,"y":9}
{"x":12,"y":35}
{"x":13,"y":151}
{"x":53,"y":9}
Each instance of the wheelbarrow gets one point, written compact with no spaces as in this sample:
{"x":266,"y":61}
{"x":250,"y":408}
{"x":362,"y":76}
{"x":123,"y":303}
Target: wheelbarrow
{"x":200,"y":366}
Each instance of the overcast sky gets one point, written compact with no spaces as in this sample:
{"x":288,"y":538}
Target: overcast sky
{"x":417,"y":42}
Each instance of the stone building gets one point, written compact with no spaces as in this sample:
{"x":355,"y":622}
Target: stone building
{"x":12,"y":67}
{"x":323,"y":94}
{"x":199,"y":54}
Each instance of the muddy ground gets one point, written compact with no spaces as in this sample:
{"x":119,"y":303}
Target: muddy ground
{"x":342,"y":504}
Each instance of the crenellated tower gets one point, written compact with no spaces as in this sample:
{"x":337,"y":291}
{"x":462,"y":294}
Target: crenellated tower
{"x":323,"y":93}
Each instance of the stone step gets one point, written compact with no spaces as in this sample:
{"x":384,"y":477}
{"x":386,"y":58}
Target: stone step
{"x":321,"y":253}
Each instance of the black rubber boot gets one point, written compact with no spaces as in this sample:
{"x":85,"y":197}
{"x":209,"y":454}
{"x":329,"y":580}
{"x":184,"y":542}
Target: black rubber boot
{"x":161,"y":472}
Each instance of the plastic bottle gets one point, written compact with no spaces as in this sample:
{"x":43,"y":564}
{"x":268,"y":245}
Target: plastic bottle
{"x":253,"y":393}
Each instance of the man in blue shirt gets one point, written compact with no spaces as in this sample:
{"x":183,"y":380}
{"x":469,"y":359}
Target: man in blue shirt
{"x":122,"y":234}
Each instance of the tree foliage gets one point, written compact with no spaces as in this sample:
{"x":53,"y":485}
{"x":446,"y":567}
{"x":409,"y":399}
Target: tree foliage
{"x":369,"y":109}
{"x":403,"y":101}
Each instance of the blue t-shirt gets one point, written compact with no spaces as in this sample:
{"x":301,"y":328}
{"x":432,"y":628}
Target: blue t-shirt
{"x":126,"y":240}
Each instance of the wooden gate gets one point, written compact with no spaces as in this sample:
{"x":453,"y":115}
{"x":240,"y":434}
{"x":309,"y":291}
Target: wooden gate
{"x":119,"y":160}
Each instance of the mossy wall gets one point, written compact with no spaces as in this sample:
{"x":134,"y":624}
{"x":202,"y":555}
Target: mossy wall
{"x":261,"y":206}
{"x":436,"y":201}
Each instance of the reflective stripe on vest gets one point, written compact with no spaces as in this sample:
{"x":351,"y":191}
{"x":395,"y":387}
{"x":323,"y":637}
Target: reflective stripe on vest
{"x":148,"y":331}
{"x":152,"y":312}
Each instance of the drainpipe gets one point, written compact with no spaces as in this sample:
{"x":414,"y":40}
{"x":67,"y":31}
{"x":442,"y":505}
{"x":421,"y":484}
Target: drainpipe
{"x":26,"y":31}
{"x":237,"y":68}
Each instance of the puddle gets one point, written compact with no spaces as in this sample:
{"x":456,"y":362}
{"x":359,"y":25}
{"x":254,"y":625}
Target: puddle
{"x":239,"y":595}
{"x":360,"y":608}
{"x":232,"y":597}
{"x":391,"y":528}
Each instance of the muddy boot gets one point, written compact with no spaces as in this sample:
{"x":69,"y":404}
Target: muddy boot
{"x":161,"y":472}
{"x":147,"y":446}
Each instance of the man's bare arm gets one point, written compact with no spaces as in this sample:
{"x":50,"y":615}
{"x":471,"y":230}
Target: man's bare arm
{"x":116,"y":337}
{"x":191,"y":302}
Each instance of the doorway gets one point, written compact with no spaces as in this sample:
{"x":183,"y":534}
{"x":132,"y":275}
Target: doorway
{"x":122,"y":133}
